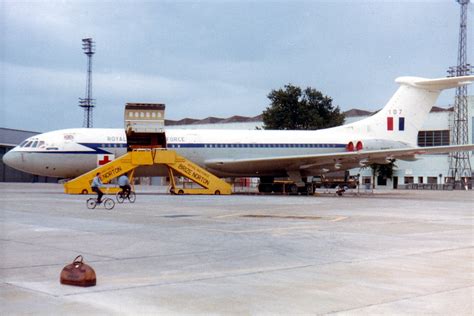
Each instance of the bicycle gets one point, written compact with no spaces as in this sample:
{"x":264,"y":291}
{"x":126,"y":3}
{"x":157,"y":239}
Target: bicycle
{"x":121,"y":197}
{"x":108,"y":203}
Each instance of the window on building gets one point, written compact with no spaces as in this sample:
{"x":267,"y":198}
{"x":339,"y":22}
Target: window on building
{"x":420,"y":179}
{"x":408,"y":180}
{"x":381,"y":180}
{"x":433,"y":138}
{"x":432,"y":180}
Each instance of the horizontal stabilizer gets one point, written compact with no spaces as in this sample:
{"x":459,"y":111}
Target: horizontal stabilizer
{"x":436,"y":84}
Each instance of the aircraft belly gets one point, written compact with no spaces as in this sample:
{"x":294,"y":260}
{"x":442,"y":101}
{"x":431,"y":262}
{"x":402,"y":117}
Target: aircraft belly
{"x":261,"y":166}
{"x":58,"y":165}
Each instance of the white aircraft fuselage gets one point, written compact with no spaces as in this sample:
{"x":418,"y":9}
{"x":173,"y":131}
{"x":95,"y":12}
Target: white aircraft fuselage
{"x":390,"y":133}
{"x":71,"y":152}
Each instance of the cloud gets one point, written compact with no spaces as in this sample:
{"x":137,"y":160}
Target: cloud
{"x":54,"y":93}
{"x":213,"y":58}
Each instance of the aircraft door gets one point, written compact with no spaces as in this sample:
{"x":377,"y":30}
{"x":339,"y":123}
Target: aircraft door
{"x":192,"y":150}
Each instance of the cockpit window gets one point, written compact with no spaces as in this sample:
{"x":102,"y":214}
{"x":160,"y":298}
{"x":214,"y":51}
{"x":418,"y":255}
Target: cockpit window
{"x":35,"y":144}
{"x":23,"y":143}
{"x":28,"y":144}
{"x":41,"y":144}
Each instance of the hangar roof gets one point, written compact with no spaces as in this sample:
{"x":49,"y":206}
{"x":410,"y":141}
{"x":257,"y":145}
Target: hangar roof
{"x":12,"y":137}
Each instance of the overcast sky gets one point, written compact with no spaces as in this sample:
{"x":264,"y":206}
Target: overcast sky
{"x":214,"y":58}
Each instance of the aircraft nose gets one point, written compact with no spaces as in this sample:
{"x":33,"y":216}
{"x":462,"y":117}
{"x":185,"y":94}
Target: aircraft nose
{"x":11,"y":159}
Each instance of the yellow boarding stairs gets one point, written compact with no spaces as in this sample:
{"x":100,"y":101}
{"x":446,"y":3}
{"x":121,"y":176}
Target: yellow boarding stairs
{"x":145,"y":157}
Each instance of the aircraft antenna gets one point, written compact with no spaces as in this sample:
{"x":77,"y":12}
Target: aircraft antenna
{"x":87,"y":103}
{"x":459,"y":164}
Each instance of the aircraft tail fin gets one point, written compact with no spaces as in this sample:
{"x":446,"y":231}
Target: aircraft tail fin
{"x":404,"y":114}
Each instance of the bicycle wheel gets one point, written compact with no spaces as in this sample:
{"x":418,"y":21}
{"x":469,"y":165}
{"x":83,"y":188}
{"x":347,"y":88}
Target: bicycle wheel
{"x":109,"y":204}
{"x":132,"y":197}
{"x":119,"y":197}
{"x":91,"y":203}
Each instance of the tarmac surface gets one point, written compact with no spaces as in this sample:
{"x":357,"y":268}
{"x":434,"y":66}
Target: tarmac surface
{"x":392,"y":252}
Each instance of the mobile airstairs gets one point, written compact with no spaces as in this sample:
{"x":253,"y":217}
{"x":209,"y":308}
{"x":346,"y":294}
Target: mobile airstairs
{"x":146,"y":141}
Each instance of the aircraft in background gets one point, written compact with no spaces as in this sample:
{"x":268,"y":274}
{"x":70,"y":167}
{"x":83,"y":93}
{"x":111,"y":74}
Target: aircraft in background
{"x":389,"y":134}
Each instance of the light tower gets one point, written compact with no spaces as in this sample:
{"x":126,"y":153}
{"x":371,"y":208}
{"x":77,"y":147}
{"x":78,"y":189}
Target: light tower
{"x":88,"y":103}
{"x":459,"y":164}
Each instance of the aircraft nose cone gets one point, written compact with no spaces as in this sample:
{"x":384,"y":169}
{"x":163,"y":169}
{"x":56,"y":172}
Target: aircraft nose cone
{"x":11,"y":159}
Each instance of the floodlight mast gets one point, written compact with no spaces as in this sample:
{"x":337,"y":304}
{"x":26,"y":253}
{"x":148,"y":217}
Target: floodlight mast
{"x":87,"y":103}
{"x":459,"y":163}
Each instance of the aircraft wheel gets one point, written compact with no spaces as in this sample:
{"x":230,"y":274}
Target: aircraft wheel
{"x":278,"y":187}
{"x":265,"y":188}
{"x":293,"y":189}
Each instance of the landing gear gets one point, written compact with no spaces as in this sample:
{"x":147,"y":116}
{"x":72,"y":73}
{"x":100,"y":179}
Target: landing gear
{"x":266,"y":184}
{"x":269,"y":185}
{"x":293,"y":189}
{"x":265,"y":187}
{"x":309,"y":188}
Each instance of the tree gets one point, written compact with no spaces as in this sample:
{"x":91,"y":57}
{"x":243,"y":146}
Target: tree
{"x":293,"y":108}
{"x":383,"y":170}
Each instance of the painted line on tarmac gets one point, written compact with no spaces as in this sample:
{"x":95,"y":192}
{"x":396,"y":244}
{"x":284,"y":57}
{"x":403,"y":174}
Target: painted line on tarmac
{"x":264,"y":230}
{"x":339,"y":218}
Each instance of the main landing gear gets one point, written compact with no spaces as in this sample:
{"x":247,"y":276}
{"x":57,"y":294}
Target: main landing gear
{"x":269,"y":185}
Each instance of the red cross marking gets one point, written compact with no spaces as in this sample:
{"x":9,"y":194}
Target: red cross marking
{"x":104,"y":161}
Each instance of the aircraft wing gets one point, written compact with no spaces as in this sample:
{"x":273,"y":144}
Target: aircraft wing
{"x":347,"y":160}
